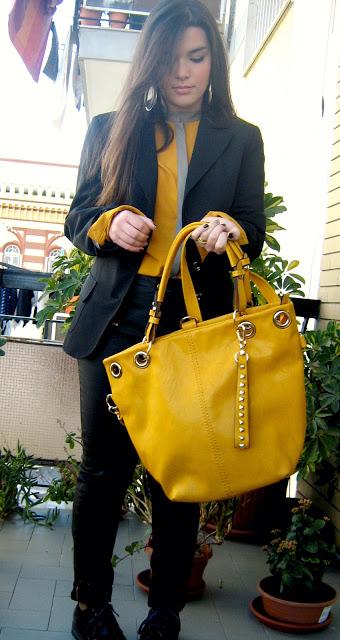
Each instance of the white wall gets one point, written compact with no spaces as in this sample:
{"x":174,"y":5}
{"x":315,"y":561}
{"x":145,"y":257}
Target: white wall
{"x":282,"y":93}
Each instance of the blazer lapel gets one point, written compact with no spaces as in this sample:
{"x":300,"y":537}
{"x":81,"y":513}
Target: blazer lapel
{"x":210,"y":144}
{"x":146,"y":168}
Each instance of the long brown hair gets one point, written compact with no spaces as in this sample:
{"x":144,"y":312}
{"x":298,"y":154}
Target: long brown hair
{"x":152,"y":58}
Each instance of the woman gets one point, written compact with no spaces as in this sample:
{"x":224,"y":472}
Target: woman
{"x":174,"y":153}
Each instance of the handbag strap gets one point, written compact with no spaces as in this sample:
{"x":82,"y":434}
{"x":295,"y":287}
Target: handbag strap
{"x":241,"y":274}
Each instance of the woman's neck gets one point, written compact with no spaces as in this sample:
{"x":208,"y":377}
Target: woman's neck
{"x":183,"y":116}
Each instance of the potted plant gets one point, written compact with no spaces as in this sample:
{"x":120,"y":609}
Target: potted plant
{"x":138,"y":498}
{"x":19,"y":488}
{"x":117,"y":18}
{"x":295,"y":595}
{"x":89,"y":16}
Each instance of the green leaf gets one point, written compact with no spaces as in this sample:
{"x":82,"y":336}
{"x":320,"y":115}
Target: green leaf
{"x":292,"y":265}
{"x":272,"y":242}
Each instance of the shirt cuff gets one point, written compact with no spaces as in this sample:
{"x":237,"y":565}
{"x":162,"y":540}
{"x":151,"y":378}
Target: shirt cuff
{"x":98,"y":232}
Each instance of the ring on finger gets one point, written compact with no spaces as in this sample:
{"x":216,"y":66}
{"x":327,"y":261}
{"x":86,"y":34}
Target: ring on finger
{"x":201,"y":241}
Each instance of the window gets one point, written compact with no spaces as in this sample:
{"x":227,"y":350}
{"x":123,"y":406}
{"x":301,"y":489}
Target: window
{"x":52,"y":256}
{"x":263,"y":15}
{"x":12,"y":255}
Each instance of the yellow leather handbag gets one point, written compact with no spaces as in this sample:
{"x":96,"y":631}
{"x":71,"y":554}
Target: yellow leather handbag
{"x":216,"y":408}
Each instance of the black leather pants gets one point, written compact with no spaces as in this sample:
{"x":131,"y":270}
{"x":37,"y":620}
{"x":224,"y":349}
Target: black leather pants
{"x":108,"y":462}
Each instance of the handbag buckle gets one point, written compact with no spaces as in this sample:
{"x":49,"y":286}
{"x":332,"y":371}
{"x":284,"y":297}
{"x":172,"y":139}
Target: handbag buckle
{"x":187,"y":319}
{"x":248,"y":329}
{"x":112,"y":407}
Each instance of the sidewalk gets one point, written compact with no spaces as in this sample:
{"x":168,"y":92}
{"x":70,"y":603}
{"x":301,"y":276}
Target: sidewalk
{"x":36,"y":576}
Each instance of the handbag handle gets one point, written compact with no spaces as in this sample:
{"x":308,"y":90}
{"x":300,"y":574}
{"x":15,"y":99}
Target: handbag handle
{"x":241,"y":274}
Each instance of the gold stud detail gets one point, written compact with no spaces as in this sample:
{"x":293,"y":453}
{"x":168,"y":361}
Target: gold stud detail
{"x":241,"y":445}
{"x":241,"y":415}
{"x":242,"y":366}
{"x":241,"y":430}
{"x":242,"y":392}
{"x":242,"y":376}
{"x":241,"y":384}
{"x":241,"y":437}
{"x":242,"y":352}
{"x":241,"y":406}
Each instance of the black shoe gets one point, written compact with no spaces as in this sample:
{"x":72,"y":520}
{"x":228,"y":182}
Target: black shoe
{"x":161,"y":624}
{"x":96,"y":624}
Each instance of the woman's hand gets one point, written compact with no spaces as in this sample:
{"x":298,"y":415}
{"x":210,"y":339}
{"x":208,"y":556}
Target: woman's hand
{"x":131,"y":231}
{"x":214,"y":233}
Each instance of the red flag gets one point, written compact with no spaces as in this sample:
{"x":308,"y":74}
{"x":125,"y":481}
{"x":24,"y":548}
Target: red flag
{"x":28,"y":26}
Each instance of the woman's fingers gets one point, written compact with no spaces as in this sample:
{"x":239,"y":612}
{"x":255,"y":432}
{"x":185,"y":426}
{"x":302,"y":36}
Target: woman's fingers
{"x":214,"y":234}
{"x":131,"y":231}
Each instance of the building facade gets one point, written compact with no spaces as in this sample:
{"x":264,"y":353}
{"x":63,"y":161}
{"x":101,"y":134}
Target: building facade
{"x":31,"y":225}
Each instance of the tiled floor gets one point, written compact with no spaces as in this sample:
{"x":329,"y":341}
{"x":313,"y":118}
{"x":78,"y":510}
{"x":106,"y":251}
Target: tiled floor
{"x":36,"y":575}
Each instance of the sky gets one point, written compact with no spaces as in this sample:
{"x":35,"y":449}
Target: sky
{"x":28,"y":109}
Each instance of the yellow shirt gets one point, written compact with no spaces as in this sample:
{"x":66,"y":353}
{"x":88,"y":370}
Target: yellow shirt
{"x":166,"y":201}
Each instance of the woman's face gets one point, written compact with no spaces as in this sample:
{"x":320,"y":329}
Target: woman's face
{"x":184,"y":85}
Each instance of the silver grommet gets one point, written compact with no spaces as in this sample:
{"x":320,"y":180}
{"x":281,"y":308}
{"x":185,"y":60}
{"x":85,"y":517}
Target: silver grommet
{"x":282,"y":319}
{"x":115,"y":370}
{"x":142,"y":359}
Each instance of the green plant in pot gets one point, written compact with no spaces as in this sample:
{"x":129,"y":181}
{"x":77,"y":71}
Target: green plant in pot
{"x":321,"y":453}
{"x":297,"y":556}
{"x":19,"y":489}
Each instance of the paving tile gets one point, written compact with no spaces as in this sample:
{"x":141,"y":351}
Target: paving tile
{"x":9,"y":572}
{"x":5,"y":597}
{"x":16,"y":529}
{"x":123,"y":572}
{"x":209,"y":631}
{"x":122,"y":593}
{"x":23,"y":619}
{"x":63,"y":587}
{"x":37,"y":557}
{"x":25,"y":634}
{"x":33,"y":595}
{"x":61,"y":614}
{"x":49,"y":572}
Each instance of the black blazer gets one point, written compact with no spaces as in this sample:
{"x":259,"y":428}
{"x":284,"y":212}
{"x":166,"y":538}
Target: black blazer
{"x":226,"y":173}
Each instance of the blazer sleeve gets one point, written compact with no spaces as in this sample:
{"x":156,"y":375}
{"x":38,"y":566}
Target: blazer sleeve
{"x":84,"y":211}
{"x":248,"y":203}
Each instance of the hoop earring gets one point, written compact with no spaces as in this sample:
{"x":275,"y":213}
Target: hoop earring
{"x":150,"y":98}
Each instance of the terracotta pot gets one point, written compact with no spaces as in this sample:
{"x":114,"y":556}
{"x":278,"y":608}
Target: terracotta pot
{"x":258,"y":512}
{"x":291,"y":611}
{"x":196,"y":584}
{"x":89,"y":17}
{"x":117,"y":20}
